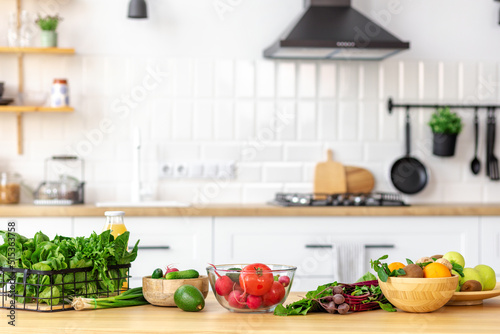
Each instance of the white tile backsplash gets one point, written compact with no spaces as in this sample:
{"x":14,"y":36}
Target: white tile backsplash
{"x":306,"y":121}
{"x":286,"y":79}
{"x":244,"y":115}
{"x":224,"y":78}
{"x":266,"y":78}
{"x":275,"y":119}
{"x":282,"y":172}
{"x":245,"y":78}
{"x":327,"y":80}
{"x":307,"y":81}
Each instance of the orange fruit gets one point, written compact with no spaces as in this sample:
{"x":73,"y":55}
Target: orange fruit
{"x":435,"y":269}
{"x":396,"y":266}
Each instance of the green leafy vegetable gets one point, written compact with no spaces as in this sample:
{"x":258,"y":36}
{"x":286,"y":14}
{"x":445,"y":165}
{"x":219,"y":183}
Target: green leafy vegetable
{"x":98,"y":251}
{"x":367,"y":277}
{"x":458,"y":268}
{"x":360,"y":296}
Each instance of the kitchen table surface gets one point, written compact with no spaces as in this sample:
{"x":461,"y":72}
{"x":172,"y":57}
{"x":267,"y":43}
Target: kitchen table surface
{"x":247,"y":210}
{"x":215,"y":319}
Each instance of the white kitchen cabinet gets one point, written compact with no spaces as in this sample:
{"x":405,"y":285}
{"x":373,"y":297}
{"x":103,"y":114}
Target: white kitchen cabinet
{"x":51,"y":226}
{"x":308,"y":243}
{"x":490,"y":244}
{"x":185,"y":242}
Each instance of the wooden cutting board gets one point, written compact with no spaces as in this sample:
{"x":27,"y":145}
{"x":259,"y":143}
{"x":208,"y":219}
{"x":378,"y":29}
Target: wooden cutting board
{"x":330,"y":177}
{"x":359,"y":180}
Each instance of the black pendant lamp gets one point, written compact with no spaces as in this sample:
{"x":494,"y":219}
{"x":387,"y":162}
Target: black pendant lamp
{"x":137,"y":9}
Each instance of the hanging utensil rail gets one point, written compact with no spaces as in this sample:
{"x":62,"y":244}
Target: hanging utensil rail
{"x":391,"y":105}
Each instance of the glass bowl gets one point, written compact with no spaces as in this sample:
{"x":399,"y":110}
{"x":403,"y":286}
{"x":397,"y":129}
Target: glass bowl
{"x":251,"y":288}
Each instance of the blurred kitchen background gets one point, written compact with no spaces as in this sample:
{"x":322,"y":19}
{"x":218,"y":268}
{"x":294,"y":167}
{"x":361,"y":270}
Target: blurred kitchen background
{"x":193,"y":78}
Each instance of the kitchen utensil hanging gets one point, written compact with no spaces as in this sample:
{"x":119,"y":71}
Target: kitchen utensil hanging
{"x":67,"y":190}
{"x":492,"y":161}
{"x":408,"y":174}
{"x":475,"y":164}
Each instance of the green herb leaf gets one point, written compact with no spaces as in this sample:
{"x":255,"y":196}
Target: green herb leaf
{"x":387,"y":307}
{"x":367,"y":277}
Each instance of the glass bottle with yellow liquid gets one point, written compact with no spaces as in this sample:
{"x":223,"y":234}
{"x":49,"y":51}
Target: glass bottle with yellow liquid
{"x":115,"y":223}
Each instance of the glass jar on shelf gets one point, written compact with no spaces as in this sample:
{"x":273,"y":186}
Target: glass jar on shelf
{"x":10,"y":188}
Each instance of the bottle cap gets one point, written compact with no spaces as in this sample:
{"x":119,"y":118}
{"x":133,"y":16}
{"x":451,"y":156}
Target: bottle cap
{"x":114,"y":213}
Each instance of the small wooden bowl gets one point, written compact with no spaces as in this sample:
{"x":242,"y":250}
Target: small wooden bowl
{"x":160,"y":291}
{"x":419,"y":294}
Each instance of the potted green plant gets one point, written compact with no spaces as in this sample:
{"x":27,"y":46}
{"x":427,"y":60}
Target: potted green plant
{"x":48,"y":24}
{"x":445,"y":126}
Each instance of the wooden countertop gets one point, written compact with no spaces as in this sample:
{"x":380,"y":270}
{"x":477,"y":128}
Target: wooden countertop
{"x":215,"y":319}
{"x":242,"y":210}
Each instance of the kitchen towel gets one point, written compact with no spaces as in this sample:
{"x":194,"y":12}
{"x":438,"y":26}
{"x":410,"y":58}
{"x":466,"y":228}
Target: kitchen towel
{"x":349,"y":261}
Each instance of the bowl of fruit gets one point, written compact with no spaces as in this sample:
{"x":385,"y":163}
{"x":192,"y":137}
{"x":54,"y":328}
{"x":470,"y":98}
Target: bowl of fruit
{"x":423,"y":286}
{"x":250,"y":288}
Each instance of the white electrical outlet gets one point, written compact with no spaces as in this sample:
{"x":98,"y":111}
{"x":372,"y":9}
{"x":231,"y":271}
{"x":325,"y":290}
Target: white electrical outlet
{"x":211,"y":169}
{"x":181,"y":170}
{"x":166,"y":169}
{"x":227,"y":170}
{"x":196,"y":170}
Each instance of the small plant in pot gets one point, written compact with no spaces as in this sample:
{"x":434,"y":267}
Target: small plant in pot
{"x":48,"y":24}
{"x":445,"y":126}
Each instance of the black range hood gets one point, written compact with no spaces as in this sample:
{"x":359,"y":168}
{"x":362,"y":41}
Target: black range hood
{"x":332,"y":29}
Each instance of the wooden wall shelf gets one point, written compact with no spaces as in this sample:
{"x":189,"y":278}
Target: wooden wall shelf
{"x":25,"y":109}
{"x":36,"y":50}
{"x":20,"y":52}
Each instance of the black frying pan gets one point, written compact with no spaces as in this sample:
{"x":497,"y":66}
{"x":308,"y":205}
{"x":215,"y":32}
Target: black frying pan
{"x":408,"y":174}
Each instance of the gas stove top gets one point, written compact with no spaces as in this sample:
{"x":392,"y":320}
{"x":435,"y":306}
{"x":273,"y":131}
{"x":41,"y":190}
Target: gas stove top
{"x":371,"y":199}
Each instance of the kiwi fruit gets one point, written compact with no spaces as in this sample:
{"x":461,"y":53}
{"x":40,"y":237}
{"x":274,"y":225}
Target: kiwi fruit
{"x":413,"y":271}
{"x":436,"y":256}
{"x":471,"y":285}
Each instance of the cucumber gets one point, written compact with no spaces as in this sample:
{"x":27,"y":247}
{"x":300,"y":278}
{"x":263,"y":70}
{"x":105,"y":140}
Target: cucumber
{"x":189,"y":298}
{"x":158,"y":273}
{"x":184,"y":274}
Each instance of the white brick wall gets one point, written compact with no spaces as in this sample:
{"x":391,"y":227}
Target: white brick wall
{"x":275,"y":118}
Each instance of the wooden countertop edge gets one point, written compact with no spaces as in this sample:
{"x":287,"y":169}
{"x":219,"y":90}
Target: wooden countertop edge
{"x":235,"y":210}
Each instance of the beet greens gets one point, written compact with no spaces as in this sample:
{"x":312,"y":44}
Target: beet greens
{"x":339,"y":298}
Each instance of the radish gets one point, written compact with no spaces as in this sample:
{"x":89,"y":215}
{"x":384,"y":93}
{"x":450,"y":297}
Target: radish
{"x":223,"y":285}
{"x":170,"y":269}
{"x":254,"y":302}
{"x":284,"y":280}
{"x":237,"y":299}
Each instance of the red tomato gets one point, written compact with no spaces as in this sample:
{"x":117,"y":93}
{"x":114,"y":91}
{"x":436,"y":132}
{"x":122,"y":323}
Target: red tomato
{"x":256,"y":279}
{"x":274,"y":295}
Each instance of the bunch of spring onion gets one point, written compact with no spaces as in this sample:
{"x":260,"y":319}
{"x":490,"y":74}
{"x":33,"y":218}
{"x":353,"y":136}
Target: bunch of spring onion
{"x":132,"y":297}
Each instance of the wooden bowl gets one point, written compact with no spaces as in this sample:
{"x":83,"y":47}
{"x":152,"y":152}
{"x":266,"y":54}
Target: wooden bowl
{"x":160,"y":292}
{"x":419,"y":294}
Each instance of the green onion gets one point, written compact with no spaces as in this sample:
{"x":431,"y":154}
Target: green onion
{"x":132,"y":297}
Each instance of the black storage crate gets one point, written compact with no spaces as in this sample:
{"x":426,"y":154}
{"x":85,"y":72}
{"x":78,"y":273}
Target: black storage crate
{"x":78,"y":279}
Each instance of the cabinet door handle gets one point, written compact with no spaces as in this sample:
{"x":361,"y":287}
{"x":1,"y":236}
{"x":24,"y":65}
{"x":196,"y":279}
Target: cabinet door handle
{"x":379,"y":246}
{"x":366,"y":246}
{"x":319,"y":246}
{"x":151,"y":247}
